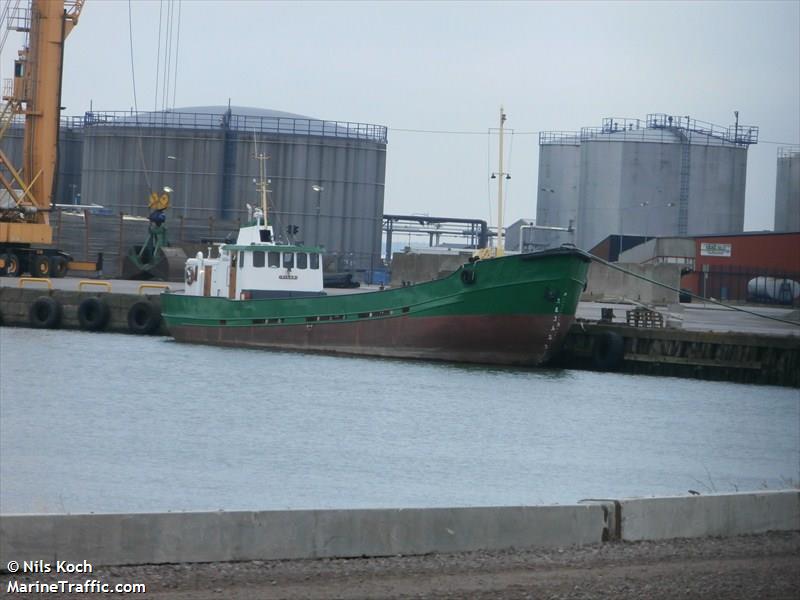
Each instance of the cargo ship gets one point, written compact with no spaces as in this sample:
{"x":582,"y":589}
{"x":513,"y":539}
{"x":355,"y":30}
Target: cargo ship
{"x":259,"y":293}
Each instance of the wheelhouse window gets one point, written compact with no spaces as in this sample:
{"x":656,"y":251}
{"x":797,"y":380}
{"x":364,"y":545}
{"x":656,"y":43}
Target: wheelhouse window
{"x":288,"y":260}
{"x":274,"y":259}
{"x":302,"y":260}
{"x":258,"y":259}
{"x":315,"y":261}
{"x":241,"y":259}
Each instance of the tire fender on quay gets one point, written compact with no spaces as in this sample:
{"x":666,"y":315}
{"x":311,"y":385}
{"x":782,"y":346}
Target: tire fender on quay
{"x":143,"y":318}
{"x":45,"y":313}
{"x":93,"y":314}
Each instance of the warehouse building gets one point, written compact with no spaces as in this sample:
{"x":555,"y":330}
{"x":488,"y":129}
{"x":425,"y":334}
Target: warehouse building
{"x":757,"y":266}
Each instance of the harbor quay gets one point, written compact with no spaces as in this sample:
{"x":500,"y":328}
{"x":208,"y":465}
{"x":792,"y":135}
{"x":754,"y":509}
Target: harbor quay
{"x":719,"y":545}
{"x":699,"y":340}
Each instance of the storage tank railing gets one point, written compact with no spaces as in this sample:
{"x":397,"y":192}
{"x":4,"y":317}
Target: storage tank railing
{"x":560,"y":138}
{"x":248,"y":123}
{"x":735,"y":134}
{"x":789,"y":152}
{"x":662,"y":128}
{"x":18,"y":121}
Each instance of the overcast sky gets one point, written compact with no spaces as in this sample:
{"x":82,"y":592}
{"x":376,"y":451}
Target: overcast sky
{"x":448,"y":66}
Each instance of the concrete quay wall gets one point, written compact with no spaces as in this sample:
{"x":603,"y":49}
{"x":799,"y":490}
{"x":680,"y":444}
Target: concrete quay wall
{"x":709,"y":516}
{"x":605,"y":283}
{"x":118,"y":539}
{"x":16,"y":303}
{"x":718,"y":356}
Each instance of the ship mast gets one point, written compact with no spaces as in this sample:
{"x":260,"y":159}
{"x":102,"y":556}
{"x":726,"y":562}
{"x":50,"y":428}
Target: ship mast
{"x":263,"y":182}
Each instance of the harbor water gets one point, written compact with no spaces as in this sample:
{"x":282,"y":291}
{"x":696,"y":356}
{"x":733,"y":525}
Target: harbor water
{"x":118,"y":423}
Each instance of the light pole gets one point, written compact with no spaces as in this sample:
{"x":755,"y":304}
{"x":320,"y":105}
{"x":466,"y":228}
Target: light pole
{"x":500,"y":175}
{"x":318,"y":189}
{"x":644,"y":205}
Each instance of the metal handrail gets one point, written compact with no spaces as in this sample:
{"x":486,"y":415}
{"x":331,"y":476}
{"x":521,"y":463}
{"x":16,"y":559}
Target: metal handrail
{"x":45,"y":280}
{"x":652,"y":128}
{"x":83,"y":282}
{"x":248,"y":123}
{"x":161,"y":286}
{"x":564,"y":138}
{"x":788,"y":151}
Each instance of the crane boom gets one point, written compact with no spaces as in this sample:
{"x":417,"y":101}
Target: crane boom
{"x":26,"y":193}
{"x":36,"y":94}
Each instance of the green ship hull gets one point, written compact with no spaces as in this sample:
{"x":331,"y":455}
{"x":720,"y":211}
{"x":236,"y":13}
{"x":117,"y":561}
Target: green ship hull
{"x":514,"y":310}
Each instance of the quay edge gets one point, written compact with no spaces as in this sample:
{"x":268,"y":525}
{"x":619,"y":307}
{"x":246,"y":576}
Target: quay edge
{"x":719,"y":356}
{"x":221,"y":536}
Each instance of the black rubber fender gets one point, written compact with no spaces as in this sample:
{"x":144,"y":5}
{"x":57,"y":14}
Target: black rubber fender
{"x":45,"y":313}
{"x":93,"y":314}
{"x":608,"y":351}
{"x":143,"y":318}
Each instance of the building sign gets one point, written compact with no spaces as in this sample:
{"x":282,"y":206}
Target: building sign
{"x":711,"y":249}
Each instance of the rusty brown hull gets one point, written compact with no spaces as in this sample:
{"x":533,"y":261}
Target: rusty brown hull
{"x":507,"y":340}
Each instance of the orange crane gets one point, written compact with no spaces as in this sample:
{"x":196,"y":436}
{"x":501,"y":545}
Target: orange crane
{"x":26,"y":193}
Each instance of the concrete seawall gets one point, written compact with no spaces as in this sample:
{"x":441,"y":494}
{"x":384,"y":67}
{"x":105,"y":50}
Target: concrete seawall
{"x":731,"y":356}
{"x":118,"y":539}
{"x":235,"y":536}
{"x":604,"y":283}
{"x":704,"y":516}
{"x":15,"y":306}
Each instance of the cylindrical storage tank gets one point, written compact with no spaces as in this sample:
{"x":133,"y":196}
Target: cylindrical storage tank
{"x":325,"y":177}
{"x":558,"y":189}
{"x":717,"y":180}
{"x":126,"y":158}
{"x":665,"y":176}
{"x":787,"y":189}
{"x":70,"y":150}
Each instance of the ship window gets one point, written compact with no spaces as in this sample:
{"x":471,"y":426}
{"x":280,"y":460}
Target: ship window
{"x":315,"y":261}
{"x":274,"y":259}
{"x":302,"y":260}
{"x":241,"y":259}
{"x":288,"y":260}
{"x":258,"y":259}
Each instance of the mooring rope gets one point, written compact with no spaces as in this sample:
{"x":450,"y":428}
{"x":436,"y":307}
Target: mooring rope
{"x":680,"y":291}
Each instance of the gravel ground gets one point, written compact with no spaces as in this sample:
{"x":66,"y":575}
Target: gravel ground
{"x":747,"y":567}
